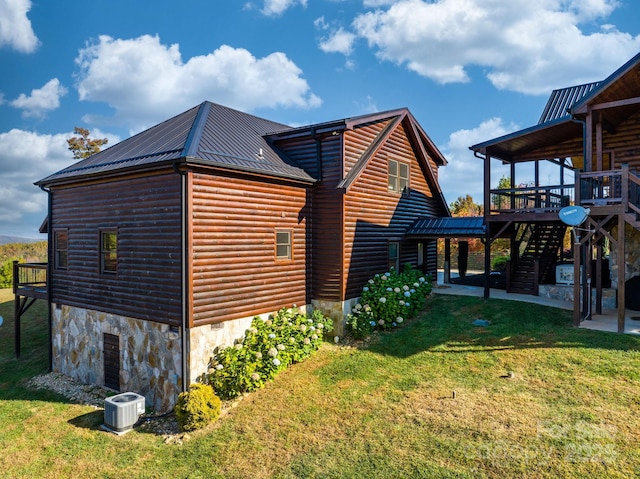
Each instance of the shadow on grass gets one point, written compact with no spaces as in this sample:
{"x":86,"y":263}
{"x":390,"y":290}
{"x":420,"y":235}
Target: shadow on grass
{"x":447,"y":326}
{"x":91,"y":420}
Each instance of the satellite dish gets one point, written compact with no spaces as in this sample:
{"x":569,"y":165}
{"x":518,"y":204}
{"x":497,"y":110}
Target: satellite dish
{"x":573,"y":215}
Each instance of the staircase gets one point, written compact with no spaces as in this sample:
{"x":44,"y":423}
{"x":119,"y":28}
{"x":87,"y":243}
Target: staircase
{"x":537,"y":262}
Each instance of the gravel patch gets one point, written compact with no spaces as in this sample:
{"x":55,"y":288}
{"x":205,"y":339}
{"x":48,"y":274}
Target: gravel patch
{"x":164,"y":425}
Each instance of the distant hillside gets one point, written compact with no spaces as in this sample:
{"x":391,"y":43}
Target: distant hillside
{"x":4,"y":239}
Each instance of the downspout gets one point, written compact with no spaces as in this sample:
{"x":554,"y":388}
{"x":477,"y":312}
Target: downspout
{"x":49,"y":271}
{"x":183,"y":274}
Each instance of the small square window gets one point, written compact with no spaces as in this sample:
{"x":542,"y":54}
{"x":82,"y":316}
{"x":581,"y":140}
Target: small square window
{"x":398,"y":178}
{"x":108,"y":252}
{"x":283,"y":244}
{"x":61,"y":249}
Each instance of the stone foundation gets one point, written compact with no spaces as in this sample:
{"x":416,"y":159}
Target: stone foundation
{"x":150,"y":353}
{"x":336,"y":310}
{"x":565,"y":293}
{"x":632,"y":255}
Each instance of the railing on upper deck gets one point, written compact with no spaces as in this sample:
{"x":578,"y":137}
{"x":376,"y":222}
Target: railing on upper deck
{"x":611,"y":188}
{"x":531,"y":199}
{"x":30,"y":279}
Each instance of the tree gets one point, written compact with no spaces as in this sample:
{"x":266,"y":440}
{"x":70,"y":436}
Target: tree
{"x":82,"y":146}
{"x":465,"y":206}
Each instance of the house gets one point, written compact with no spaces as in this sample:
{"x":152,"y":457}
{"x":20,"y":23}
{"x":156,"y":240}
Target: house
{"x":591,"y":133}
{"x":166,"y":245}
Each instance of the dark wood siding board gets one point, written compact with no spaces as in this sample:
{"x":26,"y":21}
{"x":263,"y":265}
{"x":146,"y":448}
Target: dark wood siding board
{"x":373,"y":215}
{"x":358,"y":140}
{"x":235,"y":272}
{"x":146,"y":213}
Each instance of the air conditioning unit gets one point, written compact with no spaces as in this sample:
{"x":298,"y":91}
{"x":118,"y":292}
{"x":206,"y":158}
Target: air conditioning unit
{"x":122,"y":411}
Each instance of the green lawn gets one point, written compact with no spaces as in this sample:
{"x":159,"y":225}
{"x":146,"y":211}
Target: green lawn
{"x":571,"y":409}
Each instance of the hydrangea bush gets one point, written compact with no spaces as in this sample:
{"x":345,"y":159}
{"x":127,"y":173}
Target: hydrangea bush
{"x":268,"y":347}
{"x":387,"y":300}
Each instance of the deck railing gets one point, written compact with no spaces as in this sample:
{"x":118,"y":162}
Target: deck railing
{"x":532,"y":198}
{"x":30,"y":279}
{"x":611,"y":188}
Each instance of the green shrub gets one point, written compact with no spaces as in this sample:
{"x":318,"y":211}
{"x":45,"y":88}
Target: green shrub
{"x":499,"y":263}
{"x":197,"y":407}
{"x":387,"y":300}
{"x":267,"y":348}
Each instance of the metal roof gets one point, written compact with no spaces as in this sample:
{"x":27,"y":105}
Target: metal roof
{"x":208,"y":134}
{"x":561,"y":101}
{"x":454,"y":227}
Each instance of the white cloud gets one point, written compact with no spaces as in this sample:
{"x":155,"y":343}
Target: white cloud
{"x":274,"y":8}
{"x":26,"y":157}
{"x":146,"y":81}
{"x":524,"y":46}
{"x":464,"y":173}
{"x":15,"y":28}
{"x":41,"y":100}
{"x":340,"y":41}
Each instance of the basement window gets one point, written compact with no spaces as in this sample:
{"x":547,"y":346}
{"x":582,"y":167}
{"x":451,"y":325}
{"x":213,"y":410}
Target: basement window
{"x":398,"y":179}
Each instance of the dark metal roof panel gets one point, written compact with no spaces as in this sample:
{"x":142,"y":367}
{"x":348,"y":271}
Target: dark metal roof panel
{"x":453,"y":227}
{"x":563,"y":99}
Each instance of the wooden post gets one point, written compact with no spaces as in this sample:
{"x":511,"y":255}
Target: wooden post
{"x":16,"y":310}
{"x":447,"y":260}
{"x":576,"y":259}
{"x":621,"y":271}
{"x":487,"y":263}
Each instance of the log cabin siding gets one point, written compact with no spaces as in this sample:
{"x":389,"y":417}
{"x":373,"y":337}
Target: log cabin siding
{"x":357,"y":141}
{"x":374,"y":216}
{"x":623,"y":143}
{"x":326,"y":227}
{"x":146,"y":213}
{"x":234,"y":269}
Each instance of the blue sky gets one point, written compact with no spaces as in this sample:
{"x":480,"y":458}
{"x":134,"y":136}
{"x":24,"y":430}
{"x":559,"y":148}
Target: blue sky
{"x":469,"y":71}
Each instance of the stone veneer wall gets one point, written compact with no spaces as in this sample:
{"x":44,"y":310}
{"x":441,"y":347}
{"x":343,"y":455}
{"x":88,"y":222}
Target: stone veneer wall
{"x":204,"y":340}
{"x":336,"y":310}
{"x":632,"y":255}
{"x":150,"y":353}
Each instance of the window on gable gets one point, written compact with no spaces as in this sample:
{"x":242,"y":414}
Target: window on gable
{"x":283,"y":244}
{"x":61,"y":249}
{"x":398,"y":178}
{"x":109,"y":251}
{"x":393,"y":255}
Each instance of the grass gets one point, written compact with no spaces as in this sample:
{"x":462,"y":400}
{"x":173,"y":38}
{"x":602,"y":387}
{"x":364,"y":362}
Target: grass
{"x":570,"y":410}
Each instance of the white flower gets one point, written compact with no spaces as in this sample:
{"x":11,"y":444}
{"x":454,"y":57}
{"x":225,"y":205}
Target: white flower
{"x":336,"y":339}
{"x":422,"y":280}
{"x":258,"y":354}
{"x":367,"y":308}
{"x":312,"y":328}
{"x":307,"y":341}
{"x":255,"y":376}
{"x":381,"y":322}
{"x":405,"y":287}
{"x":273,"y":352}
{"x":401,"y":303}
{"x":280,"y":347}
{"x":383,"y":300}
{"x":358,"y":306}
{"x":253,"y":330}
{"x":276,"y":361}
{"x":219,"y":367}
{"x":377,"y":276}
{"x":407,"y":294}
{"x":272,"y":335}
{"x":314,"y":336}
{"x":238,"y":346}
{"x":320,"y":326}
{"x":303,"y":327}
{"x":268,"y":322}
{"x":309,"y":320}
{"x":417,"y":285}
{"x":399,"y":319}
{"x":383,"y":278}
{"x":396,"y":290}
{"x":292,"y":340}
